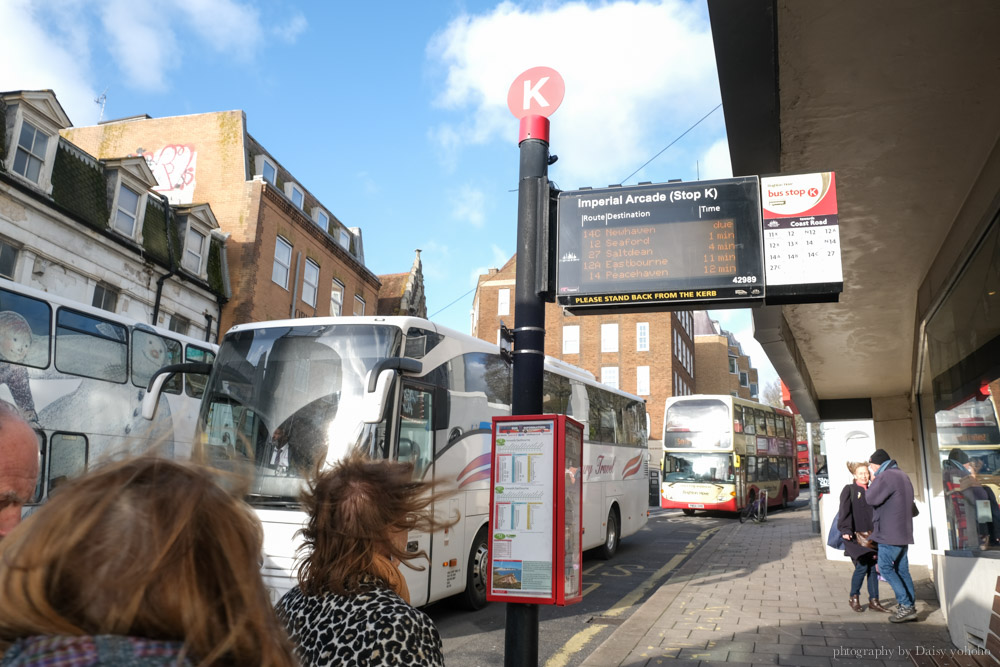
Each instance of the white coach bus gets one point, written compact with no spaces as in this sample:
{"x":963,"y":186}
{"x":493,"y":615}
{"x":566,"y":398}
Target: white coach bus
{"x":285,"y":394}
{"x":78,"y":375}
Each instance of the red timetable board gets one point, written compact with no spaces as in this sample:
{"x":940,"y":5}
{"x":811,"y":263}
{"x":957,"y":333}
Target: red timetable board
{"x":536,"y":504}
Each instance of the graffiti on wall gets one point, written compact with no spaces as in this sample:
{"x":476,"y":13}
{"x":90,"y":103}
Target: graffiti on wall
{"x":174,"y":166}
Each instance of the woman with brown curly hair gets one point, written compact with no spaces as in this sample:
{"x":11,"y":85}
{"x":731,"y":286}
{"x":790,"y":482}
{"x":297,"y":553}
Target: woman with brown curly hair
{"x":142,"y":562}
{"x":351,"y":606}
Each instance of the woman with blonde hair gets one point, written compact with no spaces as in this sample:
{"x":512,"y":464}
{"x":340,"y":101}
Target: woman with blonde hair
{"x":142,"y":562}
{"x":856,"y":524}
{"x":351,"y":606}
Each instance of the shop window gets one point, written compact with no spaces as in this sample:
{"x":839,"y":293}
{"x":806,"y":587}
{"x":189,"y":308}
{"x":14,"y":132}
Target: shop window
{"x":960,"y":387}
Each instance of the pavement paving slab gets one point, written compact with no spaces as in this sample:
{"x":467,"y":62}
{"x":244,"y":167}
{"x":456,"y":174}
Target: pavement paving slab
{"x":765,"y":594}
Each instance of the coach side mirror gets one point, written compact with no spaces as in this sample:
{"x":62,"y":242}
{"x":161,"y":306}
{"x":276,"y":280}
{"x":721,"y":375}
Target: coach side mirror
{"x":160,"y":377}
{"x":378,"y":383}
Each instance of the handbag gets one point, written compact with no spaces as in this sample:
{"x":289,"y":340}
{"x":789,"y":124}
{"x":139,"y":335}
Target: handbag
{"x":861,"y":537}
{"x":834,"y":538}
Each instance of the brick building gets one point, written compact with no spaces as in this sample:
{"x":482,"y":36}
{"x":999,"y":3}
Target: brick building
{"x":722,"y":366}
{"x":403,"y":293}
{"x":94,"y":230}
{"x":289,"y":256}
{"x":651,"y":355}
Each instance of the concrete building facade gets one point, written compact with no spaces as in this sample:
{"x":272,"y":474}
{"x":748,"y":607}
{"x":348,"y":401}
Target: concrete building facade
{"x":289,"y":256}
{"x":95,"y":230}
{"x":913,"y":344}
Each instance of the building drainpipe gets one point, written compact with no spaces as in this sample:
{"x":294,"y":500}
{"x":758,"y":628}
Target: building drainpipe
{"x":170,"y":254}
{"x":208,"y":327}
{"x":295,"y":287}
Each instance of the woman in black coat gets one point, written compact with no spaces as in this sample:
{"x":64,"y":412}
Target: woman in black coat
{"x":856,"y":517}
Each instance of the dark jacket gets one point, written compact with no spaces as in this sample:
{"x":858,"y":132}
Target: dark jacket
{"x":855,"y":516}
{"x":94,"y":650}
{"x":891,"y":496}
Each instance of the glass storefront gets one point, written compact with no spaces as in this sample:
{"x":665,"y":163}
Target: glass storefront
{"x":960,"y":404}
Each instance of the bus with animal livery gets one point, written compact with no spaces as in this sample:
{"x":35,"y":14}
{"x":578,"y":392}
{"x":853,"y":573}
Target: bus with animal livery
{"x":78,"y":375}
{"x":721,"y":452}
{"x":290,"y":394}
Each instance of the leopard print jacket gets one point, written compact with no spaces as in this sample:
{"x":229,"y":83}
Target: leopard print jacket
{"x":373,"y":628}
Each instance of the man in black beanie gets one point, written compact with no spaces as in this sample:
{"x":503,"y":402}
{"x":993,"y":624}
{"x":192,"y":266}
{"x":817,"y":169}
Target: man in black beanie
{"x":890,"y":494}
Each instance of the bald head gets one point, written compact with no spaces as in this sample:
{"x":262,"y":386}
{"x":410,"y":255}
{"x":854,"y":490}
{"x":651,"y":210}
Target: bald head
{"x":18,"y":467}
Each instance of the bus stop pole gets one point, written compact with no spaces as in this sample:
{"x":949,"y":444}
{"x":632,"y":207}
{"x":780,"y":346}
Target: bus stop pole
{"x":521,"y":629}
{"x":813,"y":487}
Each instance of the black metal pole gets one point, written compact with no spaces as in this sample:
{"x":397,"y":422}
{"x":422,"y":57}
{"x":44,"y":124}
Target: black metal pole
{"x":521,"y":630}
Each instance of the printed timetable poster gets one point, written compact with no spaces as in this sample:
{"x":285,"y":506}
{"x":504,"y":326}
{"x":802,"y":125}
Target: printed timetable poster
{"x":521,"y":544}
{"x":801,"y":238}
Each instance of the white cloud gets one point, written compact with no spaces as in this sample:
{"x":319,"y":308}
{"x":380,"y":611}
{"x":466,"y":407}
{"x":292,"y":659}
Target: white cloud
{"x":637,"y":74}
{"x":469,"y":206}
{"x":146,"y":42}
{"x":291,"y":30}
{"x":225,"y":26}
{"x":65,"y":68}
{"x":716,"y":162}
{"x":499,"y":258}
{"x":141,"y":42}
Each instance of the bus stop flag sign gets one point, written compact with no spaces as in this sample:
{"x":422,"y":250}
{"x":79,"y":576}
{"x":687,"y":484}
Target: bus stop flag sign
{"x":532,"y":98}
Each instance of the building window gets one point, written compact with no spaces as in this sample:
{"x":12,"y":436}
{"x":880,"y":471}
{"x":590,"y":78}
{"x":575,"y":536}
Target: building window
{"x":753,"y":388}
{"x":359,"y":305}
{"x":179,"y":324}
{"x":296,"y":195}
{"x":336,"y":298}
{"x":345,"y":240}
{"x":321,"y":219}
{"x":503,"y":302}
{"x":269,"y":171}
{"x":609,"y":376}
{"x":642,"y":380}
{"x":282,"y":262}
{"x":8,"y":260}
{"x":732,"y":366}
{"x":642,"y":336}
{"x":744,"y":379}
{"x":609,"y":338}
{"x":571,"y":339}
{"x":105,"y":297}
{"x":194,"y":251}
{"x":30,"y":154}
{"x":310,"y":282}
{"x":128,"y":211}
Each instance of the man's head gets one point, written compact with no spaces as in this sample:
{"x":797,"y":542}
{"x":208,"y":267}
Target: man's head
{"x":18,"y":466}
{"x":877,"y":459}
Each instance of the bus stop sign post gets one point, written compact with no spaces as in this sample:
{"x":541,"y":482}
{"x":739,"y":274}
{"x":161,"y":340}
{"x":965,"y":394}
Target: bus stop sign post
{"x":534,"y":95}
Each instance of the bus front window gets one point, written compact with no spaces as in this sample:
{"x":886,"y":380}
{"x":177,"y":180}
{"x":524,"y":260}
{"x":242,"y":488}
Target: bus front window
{"x":281,"y":400}
{"x":698,"y":424}
{"x":698,"y":468}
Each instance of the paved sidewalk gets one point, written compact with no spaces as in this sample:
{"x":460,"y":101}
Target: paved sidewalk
{"x":765,"y":594}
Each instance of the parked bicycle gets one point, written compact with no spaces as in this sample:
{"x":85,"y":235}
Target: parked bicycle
{"x":757,"y":510}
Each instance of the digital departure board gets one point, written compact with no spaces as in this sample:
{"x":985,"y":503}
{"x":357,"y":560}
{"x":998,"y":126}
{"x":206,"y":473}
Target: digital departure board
{"x":656,"y":247}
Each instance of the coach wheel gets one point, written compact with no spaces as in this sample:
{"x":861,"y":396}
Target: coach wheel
{"x":688,"y":511}
{"x":474,"y":596}
{"x":610,"y":546}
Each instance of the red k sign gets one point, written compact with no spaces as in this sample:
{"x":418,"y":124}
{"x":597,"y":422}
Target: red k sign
{"x":537,"y":92}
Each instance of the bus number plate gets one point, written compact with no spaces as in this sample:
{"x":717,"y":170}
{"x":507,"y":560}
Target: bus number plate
{"x":696,"y":506}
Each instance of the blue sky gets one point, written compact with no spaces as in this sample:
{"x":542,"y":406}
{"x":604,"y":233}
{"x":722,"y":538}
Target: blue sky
{"x":394,"y":114}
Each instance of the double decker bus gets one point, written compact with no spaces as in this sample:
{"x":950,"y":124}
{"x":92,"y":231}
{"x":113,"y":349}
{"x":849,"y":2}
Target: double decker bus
{"x":802,"y":459}
{"x":78,"y":375}
{"x":293,"y":393}
{"x":720,"y":452}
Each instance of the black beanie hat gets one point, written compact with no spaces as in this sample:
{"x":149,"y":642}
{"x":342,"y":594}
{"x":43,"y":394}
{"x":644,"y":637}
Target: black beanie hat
{"x":879,"y":457}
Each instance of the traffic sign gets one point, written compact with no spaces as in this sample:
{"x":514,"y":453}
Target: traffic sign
{"x":537,"y":92}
